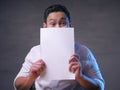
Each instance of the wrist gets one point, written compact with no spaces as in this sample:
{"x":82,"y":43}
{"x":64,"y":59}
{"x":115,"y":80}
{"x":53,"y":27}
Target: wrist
{"x":79,"y":77}
{"x":28,"y":83}
{"x":31,"y":78}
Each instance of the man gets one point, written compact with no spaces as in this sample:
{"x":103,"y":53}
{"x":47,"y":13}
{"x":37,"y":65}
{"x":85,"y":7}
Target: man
{"x":82,"y":63}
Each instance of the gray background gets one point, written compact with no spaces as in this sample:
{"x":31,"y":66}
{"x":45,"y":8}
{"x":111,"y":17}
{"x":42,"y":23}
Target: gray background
{"x":96,"y":23}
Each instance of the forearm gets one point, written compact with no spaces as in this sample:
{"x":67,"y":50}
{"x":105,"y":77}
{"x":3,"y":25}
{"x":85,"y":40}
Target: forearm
{"x":24,"y":83}
{"x":87,"y":82}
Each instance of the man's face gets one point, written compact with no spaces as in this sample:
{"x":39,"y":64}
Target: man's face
{"x":57,"y":20}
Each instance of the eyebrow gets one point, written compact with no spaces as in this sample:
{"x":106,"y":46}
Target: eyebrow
{"x":51,"y":20}
{"x":63,"y":18}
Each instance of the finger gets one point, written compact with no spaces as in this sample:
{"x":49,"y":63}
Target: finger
{"x":74,"y":68}
{"x":72,"y":65}
{"x":38,"y":65}
{"x":40,"y":62}
{"x":73,"y":59}
{"x":37,"y":69}
{"x":75,"y":55}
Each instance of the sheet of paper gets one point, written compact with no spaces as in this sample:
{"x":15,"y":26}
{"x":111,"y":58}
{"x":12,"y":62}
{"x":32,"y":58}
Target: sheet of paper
{"x":57,"y":45}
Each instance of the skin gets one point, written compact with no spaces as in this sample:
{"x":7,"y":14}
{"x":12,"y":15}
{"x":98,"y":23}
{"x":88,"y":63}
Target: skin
{"x":56,"y":20}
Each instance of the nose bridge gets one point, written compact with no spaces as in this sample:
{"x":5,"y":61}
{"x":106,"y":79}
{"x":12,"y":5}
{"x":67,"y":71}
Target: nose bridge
{"x":57,"y":25}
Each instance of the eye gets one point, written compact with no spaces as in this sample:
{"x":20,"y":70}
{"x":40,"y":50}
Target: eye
{"x":63,"y":23}
{"x":52,"y":23}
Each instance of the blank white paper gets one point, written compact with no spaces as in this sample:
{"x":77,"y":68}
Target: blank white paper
{"x":57,"y":45}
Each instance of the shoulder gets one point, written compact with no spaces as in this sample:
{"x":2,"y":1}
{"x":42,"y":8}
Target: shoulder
{"x":34,"y":53}
{"x":82,"y":50}
{"x":35,"y":49}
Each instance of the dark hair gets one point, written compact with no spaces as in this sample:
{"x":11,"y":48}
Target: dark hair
{"x":56,"y":8}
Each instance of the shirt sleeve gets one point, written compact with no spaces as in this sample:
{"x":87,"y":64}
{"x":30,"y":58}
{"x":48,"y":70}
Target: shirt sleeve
{"x":25,"y":66}
{"x":32,"y":56}
{"x":91,"y":69}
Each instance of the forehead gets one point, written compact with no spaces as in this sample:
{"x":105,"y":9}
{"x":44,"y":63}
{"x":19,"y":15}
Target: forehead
{"x":56,"y":15}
